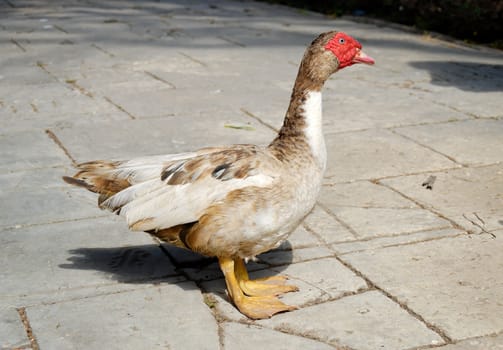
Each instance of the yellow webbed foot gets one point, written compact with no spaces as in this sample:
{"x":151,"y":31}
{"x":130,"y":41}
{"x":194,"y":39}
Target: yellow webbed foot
{"x":256,"y":288}
{"x":255,"y":299}
{"x":261,"y":307}
{"x":267,"y":286}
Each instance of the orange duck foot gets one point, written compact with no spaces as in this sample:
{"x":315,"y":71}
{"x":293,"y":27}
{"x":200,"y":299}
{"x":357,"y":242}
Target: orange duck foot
{"x":254,"y":298}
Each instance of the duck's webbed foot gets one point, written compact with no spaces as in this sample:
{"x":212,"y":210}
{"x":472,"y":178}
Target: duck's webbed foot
{"x":255,"y":299}
{"x":267,"y":286}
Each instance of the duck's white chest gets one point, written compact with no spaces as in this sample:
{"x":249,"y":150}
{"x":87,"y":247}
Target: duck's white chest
{"x":314,"y":127}
{"x":289,"y":203}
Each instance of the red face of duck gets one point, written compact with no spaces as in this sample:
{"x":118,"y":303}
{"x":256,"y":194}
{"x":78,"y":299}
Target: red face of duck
{"x":347,"y":50}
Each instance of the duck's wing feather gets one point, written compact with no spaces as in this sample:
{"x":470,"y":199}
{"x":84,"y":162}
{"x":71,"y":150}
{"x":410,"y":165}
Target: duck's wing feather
{"x":166,"y":191}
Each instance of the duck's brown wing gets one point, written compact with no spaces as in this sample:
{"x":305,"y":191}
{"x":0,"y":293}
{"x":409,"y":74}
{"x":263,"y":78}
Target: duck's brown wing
{"x":157,"y":193}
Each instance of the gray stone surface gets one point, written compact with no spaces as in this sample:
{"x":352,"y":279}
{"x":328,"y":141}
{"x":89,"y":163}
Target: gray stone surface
{"x":159,"y":136}
{"x":46,"y":105}
{"x":393,"y":154}
{"x":493,"y":342}
{"x":246,"y":337}
{"x":374,"y":222}
{"x":362,"y":194}
{"x":472,"y":197}
{"x":333,"y":278}
{"x":384,"y":112}
{"x":130,"y":78}
{"x":153,"y":318}
{"x":399,"y":239}
{"x":473,"y":142}
{"x":452,"y":282}
{"x":76,"y":254}
{"x":364,"y":321}
{"x":45,"y":206}
{"x":12,"y":331}
{"x":327,"y":227}
{"x":301,"y":238}
{"x":18,"y":151}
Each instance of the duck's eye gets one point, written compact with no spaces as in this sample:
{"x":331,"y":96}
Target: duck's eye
{"x":341,"y":41}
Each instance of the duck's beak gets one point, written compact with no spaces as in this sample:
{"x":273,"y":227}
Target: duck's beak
{"x":361,"y":57}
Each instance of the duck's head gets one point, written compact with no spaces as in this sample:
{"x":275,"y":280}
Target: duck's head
{"x":330,"y":52}
{"x":346,"y":50}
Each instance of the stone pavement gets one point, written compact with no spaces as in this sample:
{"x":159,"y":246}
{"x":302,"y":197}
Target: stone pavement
{"x":383,"y":262}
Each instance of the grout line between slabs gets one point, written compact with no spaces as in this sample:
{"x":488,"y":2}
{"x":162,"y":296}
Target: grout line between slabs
{"x":18,"y":226}
{"x":158,"y":78}
{"x":204,"y":294}
{"x":282,"y":328}
{"x":402,"y":305}
{"x":102,"y":50}
{"x":339,"y":220}
{"x":400,"y":244}
{"x":251,"y":115}
{"x":372,"y":285}
{"x":452,"y":159}
{"x":119,"y":107}
{"x":29,"y":332}
{"x":58,"y":142}
{"x":425,"y":172}
{"x":15,"y":42}
{"x":195,"y":60}
{"x":422,"y":206}
{"x":373,"y":180}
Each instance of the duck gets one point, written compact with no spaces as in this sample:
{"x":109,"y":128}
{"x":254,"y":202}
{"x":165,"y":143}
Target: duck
{"x":234,"y":202}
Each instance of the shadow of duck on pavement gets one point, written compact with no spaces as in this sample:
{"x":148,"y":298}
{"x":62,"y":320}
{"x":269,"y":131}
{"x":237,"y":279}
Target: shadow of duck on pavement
{"x":150,"y":263}
{"x":466,"y":76}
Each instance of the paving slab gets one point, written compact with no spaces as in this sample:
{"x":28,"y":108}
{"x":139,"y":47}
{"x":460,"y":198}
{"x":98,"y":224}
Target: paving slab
{"x":326,"y":226}
{"x":362,"y":194}
{"x":472,"y":197}
{"x":346,"y":108}
{"x":474,"y":102}
{"x":393,"y":240}
{"x":29,"y":150}
{"x":248,"y":337}
{"x":394,"y":154}
{"x":43,"y":103}
{"x":31,"y":179}
{"x":12,"y":331}
{"x":150,"y":318}
{"x":300,"y":238}
{"x":327,"y":274}
{"x":364,"y":321}
{"x":136,"y":138}
{"x":374,"y":222}
{"x":21,"y":71}
{"x":474,"y":142}
{"x":493,"y":342}
{"x":88,"y":253}
{"x":452,"y":282}
{"x":52,"y":205}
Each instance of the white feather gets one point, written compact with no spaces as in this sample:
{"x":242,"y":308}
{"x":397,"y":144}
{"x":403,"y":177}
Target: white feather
{"x":314,"y":132}
{"x":167,"y":205}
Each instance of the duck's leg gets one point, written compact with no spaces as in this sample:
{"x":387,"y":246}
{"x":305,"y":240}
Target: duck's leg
{"x":255,"y":307}
{"x":268,"y":286}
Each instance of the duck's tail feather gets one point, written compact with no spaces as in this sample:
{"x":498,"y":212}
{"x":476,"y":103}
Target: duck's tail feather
{"x":99,"y":177}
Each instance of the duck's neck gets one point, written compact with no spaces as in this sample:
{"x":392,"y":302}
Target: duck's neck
{"x":302,"y":127}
